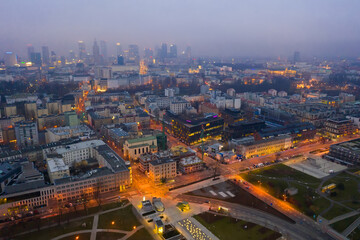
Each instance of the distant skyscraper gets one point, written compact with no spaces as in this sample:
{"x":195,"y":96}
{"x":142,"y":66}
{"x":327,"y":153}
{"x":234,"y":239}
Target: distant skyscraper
{"x":173,"y":51}
{"x":120,"y":60}
{"x":119,"y":51}
{"x":96,"y":53}
{"x":296,"y":57}
{"x":103,"y":51}
{"x":30,"y":50}
{"x":72,"y":55}
{"x":36,"y":58}
{"x":148,"y":53}
{"x":45,"y":55}
{"x":82,"y":50}
{"x":10,"y":59}
{"x":133,"y":56}
{"x":188,"y":52}
{"x":163,"y":51}
{"x":53,"y":57}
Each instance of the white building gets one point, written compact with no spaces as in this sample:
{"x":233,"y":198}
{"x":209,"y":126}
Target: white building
{"x":178,"y":105}
{"x":79,"y":151}
{"x":57,"y":169}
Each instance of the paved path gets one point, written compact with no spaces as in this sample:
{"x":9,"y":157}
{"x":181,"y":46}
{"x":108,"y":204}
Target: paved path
{"x":351,"y":228}
{"x":342,"y":217}
{"x":94,"y":227}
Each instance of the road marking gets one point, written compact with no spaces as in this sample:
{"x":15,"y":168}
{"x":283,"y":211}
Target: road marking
{"x":222,"y":194}
{"x":213,"y":193}
{"x":231,"y":195}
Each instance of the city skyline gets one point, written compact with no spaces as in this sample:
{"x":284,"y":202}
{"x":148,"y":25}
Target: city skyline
{"x":234,"y":28}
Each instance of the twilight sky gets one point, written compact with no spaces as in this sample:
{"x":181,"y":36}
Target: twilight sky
{"x":210,"y":27}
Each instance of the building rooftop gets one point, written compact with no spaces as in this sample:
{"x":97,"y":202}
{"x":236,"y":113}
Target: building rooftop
{"x":119,"y":132}
{"x":56,"y":165}
{"x":161,"y":161}
{"x":116,"y":163}
{"x":141,"y":139}
{"x":70,"y":130}
{"x":190,"y":161}
{"x":80,"y":145}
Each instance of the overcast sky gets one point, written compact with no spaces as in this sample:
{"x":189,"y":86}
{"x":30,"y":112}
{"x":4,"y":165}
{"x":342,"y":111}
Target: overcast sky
{"x":210,"y":27}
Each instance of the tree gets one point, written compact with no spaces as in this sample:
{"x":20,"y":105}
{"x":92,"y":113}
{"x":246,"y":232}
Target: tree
{"x":163,"y":180}
{"x":97,"y":191}
{"x":341,"y":186}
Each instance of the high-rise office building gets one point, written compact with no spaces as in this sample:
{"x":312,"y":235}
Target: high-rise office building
{"x":119,"y":51}
{"x":53,"y":58}
{"x":82,"y":50}
{"x":188,"y":52}
{"x":45,"y":55}
{"x":148,"y":53}
{"x":26,"y":133}
{"x":296,"y":57}
{"x":163,"y":51}
{"x":35,"y":58}
{"x":173,"y":51}
{"x":103,"y":51}
{"x":120,"y":60}
{"x":30,"y":50}
{"x":72,"y":55}
{"x":10,"y":59}
{"x":96,"y":53}
{"x":133,"y":56}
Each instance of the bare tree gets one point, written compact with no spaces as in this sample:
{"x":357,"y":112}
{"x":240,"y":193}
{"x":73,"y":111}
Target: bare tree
{"x":97,"y":191}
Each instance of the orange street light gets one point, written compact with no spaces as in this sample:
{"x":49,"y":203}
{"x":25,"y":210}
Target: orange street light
{"x":77,"y":237}
{"x":134,"y":227}
{"x":112,"y":223}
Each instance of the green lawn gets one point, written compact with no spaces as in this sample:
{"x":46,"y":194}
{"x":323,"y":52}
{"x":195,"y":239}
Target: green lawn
{"x":227,"y":228}
{"x":335,"y":211}
{"x":350,"y":195}
{"x":52,"y":232}
{"x":275,"y":179}
{"x":123,"y":219}
{"x":82,"y":236}
{"x":340,"y":226}
{"x":108,"y":236}
{"x":141,"y":234}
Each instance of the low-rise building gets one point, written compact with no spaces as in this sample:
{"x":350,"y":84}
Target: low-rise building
{"x":335,"y":128}
{"x":347,"y":153}
{"x":191,"y":164}
{"x":162,"y":169}
{"x":133,"y":148}
{"x":56,"y":134}
{"x":264,"y":147}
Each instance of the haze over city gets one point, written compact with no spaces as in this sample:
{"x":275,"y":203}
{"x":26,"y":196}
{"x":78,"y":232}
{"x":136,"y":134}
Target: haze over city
{"x":212,"y":28}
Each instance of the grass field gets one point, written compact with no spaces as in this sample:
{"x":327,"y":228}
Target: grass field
{"x":275,"y":179}
{"x":335,"y":211}
{"x":141,"y":234}
{"x":355,"y":235}
{"x":227,"y":228}
{"x":349,"y":195}
{"x":108,"y":236}
{"x":122,"y":219}
{"x":340,"y":226}
{"x":52,"y":232}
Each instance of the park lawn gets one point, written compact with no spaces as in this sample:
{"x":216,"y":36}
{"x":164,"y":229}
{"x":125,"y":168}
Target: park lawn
{"x":124,"y":219}
{"x":335,"y":211}
{"x":141,"y":234}
{"x":227,"y":228}
{"x":52,"y":232}
{"x":349,"y":195}
{"x":109,"y":236}
{"x":340,"y":226}
{"x":275,"y":179}
{"x":82,"y":236}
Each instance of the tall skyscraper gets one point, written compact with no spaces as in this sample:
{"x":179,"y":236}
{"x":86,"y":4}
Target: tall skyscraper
{"x":82,"y":50}
{"x":119,"y":51}
{"x":173,"y":51}
{"x":53,"y":57}
{"x":72,"y":56}
{"x":35,"y":58}
{"x":103,"y":51}
{"x":45,"y":55}
{"x":148,"y":53}
{"x":133,"y":56}
{"x":30,"y":50}
{"x":296,"y":57}
{"x":96,"y":53}
{"x":163,"y":51}
{"x":188,"y":52}
{"x":10,"y":59}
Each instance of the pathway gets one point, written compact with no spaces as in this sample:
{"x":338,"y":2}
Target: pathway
{"x":344,"y":216}
{"x":351,"y":228}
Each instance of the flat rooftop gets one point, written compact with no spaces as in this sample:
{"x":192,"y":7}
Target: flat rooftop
{"x":80,"y":145}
